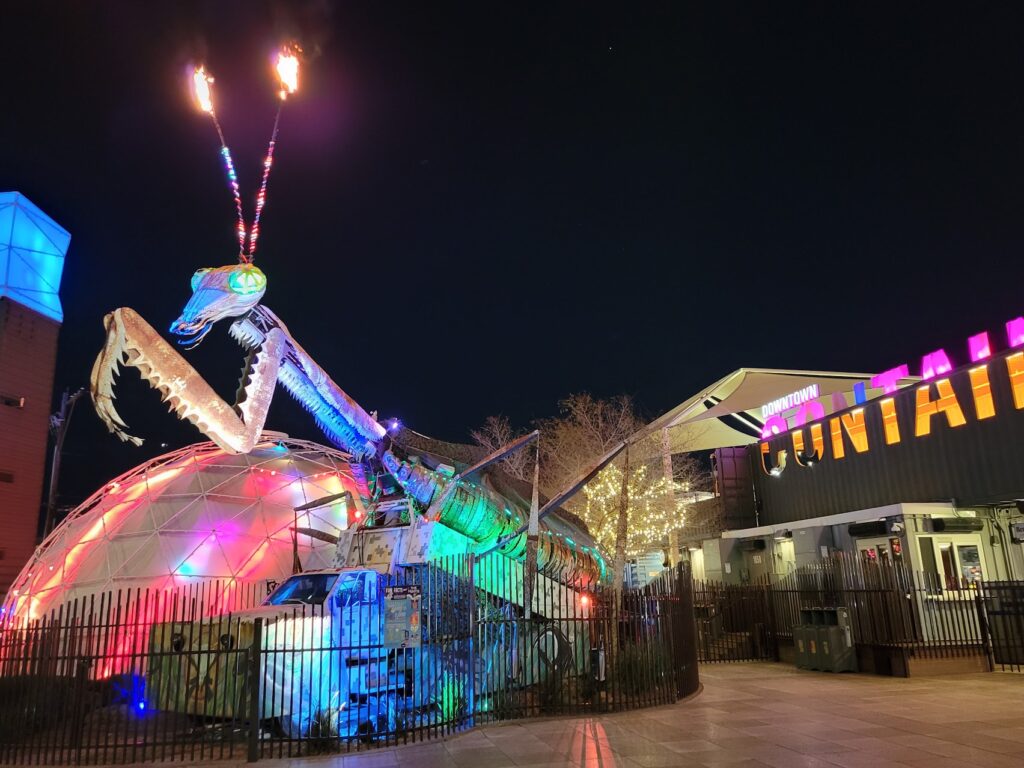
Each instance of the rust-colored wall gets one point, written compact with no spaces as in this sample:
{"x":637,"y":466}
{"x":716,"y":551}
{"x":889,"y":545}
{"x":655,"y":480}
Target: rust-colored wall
{"x":28,"y":353}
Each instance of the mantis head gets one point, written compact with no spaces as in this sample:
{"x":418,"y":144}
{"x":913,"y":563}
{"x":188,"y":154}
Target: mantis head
{"x":218,"y":293}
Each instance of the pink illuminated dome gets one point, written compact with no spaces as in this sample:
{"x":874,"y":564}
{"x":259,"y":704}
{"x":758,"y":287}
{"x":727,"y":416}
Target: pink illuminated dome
{"x":195,"y":514}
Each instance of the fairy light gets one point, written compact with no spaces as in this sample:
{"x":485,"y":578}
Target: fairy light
{"x":287,"y":68}
{"x":202,"y":90}
{"x":650,"y":521}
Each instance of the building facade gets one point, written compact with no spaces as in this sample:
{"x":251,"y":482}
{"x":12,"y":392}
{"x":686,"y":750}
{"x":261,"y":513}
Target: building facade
{"x":923,"y":471}
{"x":32,"y":248}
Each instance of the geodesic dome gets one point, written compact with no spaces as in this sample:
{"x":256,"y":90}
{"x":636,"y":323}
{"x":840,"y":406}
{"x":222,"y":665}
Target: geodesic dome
{"x":192,"y":515}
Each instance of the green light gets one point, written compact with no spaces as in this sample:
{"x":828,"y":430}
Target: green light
{"x":246,"y":280}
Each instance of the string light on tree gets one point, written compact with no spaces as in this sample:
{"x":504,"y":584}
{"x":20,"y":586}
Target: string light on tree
{"x":650,"y":520}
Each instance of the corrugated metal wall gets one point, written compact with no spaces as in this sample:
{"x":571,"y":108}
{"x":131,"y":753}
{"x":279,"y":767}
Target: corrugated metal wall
{"x":979,"y":462}
{"x":28,"y":353}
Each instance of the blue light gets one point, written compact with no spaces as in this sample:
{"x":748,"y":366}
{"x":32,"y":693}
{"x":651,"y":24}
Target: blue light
{"x":141,"y":706}
{"x":32,"y":249}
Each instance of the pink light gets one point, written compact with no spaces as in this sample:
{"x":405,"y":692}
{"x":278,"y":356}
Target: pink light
{"x":812,"y":410}
{"x":889,"y":380}
{"x":935,"y":364}
{"x":774,"y":425}
{"x":979,"y":347}
{"x":1015,"y":332}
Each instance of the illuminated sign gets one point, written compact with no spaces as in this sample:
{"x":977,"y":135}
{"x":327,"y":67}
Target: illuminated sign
{"x":936,"y":405}
{"x":792,"y":400}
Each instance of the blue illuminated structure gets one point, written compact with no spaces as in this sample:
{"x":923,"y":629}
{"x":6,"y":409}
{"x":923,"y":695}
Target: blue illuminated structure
{"x":32,"y":249}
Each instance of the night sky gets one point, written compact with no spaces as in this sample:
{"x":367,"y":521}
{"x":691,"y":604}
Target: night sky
{"x":479,"y":209}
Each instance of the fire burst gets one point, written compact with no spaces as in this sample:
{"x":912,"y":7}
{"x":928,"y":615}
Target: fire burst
{"x":287,"y":67}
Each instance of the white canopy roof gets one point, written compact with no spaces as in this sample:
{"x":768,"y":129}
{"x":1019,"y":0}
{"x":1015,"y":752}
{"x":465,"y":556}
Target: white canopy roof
{"x":728,"y":412}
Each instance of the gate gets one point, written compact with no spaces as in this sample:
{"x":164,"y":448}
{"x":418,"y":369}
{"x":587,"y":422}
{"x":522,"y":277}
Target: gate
{"x":1004,"y":611}
{"x":735,"y":622}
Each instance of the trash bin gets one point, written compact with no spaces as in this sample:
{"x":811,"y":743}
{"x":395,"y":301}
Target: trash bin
{"x":800,"y":639}
{"x":814,"y":656}
{"x":825,"y":625}
{"x":844,"y":655}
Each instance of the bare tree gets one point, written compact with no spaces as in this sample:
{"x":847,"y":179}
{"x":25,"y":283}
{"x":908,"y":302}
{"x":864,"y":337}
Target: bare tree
{"x":627,"y":517}
{"x":497,"y":432}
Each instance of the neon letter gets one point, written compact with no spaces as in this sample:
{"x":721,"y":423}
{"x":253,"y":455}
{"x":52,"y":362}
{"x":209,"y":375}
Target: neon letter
{"x":856,"y":428}
{"x":889,"y":380}
{"x":1015,"y":367}
{"x":836,"y":433}
{"x":926,"y":407}
{"x":779,"y":468}
{"x":859,"y":395}
{"x":889,"y":421}
{"x":935,"y":364}
{"x":817,"y":446}
{"x":984,"y":405}
{"x":811,"y":410}
{"x":774,"y":425}
{"x":1015,"y":332}
{"x":979,"y":347}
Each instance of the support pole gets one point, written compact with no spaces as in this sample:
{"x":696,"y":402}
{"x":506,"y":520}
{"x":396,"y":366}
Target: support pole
{"x":670,"y":497}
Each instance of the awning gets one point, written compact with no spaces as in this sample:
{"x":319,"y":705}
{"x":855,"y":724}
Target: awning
{"x":728,"y":413}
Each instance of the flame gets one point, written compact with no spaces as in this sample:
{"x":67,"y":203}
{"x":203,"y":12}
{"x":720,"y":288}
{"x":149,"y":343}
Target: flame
{"x":288,"y":70}
{"x":201,"y":89}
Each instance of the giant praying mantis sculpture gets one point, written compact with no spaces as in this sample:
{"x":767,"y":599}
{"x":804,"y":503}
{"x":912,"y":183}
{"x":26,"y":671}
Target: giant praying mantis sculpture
{"x":274,"y":356}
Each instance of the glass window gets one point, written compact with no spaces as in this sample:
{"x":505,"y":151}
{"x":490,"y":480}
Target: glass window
{"x":303,"y":589}
{"x":970,"y":564}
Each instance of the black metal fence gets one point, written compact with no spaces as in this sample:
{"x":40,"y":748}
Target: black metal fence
{"x":890,"y":607}
{"x":205,"y":672}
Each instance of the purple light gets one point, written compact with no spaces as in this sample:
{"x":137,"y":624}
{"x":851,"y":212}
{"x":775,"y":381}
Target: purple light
{"x":889,"y":380}
{"x":935,"y":364}
{"x":979,"y":347}
{"x":1015,"y":332}
{"x":395,"y":424}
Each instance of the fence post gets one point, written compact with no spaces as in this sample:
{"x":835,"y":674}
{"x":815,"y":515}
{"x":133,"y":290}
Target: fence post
{"x":773,"y":636}
{"x":255,"y":652}
{"x":986,"y":638}
{"x":471,"y":665}
{"x":684,"y":652}
{"x":78,"y":715}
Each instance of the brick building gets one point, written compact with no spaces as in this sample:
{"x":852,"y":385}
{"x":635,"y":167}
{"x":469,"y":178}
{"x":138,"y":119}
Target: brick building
{"x":32,"y":248}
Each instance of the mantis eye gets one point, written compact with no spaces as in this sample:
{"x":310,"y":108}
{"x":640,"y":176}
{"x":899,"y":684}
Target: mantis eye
{"x":247,"y":280}
{"x":198,"y":276}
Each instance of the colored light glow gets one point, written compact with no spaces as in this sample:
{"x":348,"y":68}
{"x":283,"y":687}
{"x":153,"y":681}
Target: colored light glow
{"x":812,"y":410}
{"x":774,"y":425}
{"x":32,"y":250}
{"x":889,"y":380}
{"x":1015,"y":332}
{"x":981,"y":391}
{"x":246,"y":280}
{"x":817,"y":446}
{"x":935,"y":364}
{"x":946,"y":403}
{"x":1015,"y":369}
{"x":979,"y":347}
{"x":790,"y":401}
{"x":889,"y":422}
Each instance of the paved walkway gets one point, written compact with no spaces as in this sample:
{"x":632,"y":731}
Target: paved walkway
{"x":756,"y":715}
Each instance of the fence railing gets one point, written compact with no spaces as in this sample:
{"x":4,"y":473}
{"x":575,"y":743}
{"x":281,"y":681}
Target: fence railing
{"x":206,"y":672}
{"x":890,"y":607}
